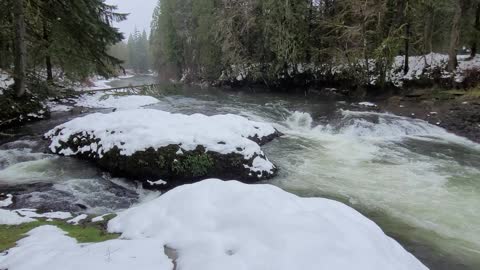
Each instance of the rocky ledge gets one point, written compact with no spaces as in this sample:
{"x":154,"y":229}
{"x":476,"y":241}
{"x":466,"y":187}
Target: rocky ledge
{"x":453,"y":111}
{"x":164,"y":150}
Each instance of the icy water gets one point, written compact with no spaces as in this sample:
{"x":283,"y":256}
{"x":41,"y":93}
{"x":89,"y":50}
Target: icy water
{"x":417,"y":181}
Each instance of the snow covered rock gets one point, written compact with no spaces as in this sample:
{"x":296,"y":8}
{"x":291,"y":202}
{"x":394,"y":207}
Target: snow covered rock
{"x":222,"y":225}
{"x":230,"y":225}
{"x":149,"y":145}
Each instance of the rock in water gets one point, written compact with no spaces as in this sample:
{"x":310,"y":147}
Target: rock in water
{"x":150,"y":145}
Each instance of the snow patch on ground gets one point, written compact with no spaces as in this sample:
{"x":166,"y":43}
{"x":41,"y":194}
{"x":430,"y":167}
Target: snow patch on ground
{"x":56,"y":107}
{"x":137,"y":130}
{"x":108,"y":100}
{"x":32,"y":213}
{"x":223,"y":225}
{"x":99,"y":218}
{"x":8,"y":217}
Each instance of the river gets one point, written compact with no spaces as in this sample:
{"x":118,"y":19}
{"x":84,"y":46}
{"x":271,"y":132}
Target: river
{"x":420,"y":183}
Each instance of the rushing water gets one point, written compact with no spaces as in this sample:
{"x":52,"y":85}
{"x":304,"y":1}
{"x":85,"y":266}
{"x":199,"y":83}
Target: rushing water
{"x":417,"y":181}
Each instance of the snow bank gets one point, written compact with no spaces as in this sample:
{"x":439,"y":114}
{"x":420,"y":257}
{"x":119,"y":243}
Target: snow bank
{"x":229,"y":225}
{"x":137,"y":130}
{"x":223,"y":225}
{"x":107,"y":100}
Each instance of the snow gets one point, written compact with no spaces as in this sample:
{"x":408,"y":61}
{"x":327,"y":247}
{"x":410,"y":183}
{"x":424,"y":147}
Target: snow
{"x":423,"y":65}
{"x":48,"y":247}
{"x":98,"y":84}
{"x":229,"y":225}
{"x":8,"y":217}
{"x":367,"y":104}
{"x":137,"y":130}
{"x":155,"y":183}
{"x":5,"y":81}
{"x":77,"y":219}
{"x":109,"y":100}
{"x":126,"y":76}
{"x":99,"y":218}
{"x":261,"y":165}
{"x":7,"y":201}
{"x":32,"y":213}
{"x":56,"y":107}
{"x":223,"y":225}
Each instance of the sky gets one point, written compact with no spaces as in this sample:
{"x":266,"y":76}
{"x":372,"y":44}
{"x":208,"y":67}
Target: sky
{"x":140,"y":14}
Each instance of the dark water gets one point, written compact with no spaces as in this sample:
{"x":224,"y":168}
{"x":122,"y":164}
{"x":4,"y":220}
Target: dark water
{"x":418,"y":182}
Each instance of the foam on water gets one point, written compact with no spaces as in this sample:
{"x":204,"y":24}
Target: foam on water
{"x":52,"y":182}
{"x":374,"y":161}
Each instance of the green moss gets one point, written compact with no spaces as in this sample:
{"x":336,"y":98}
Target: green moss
{"x":9,"y":235}
{"x":85,"y":233}
{"x":194,"y":165}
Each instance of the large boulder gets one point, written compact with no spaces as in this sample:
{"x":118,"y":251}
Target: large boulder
{"x":166,"y":149}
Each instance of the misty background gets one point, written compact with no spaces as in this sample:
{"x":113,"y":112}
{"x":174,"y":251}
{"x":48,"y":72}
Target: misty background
{"x":140,"y":14}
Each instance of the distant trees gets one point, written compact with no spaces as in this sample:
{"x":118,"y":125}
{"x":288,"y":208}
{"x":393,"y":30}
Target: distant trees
{"x":275,"y":39}
{"x":138,"y":52}
{"x":71,"y":37}
{"x":135,"y":52}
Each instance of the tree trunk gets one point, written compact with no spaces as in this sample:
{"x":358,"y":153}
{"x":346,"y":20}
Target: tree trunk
{"x":406,"y":66}
{"x":48,"y":59}
{"x":455,"y":37}
{"x":20,"y":48}
{"x":428,"y":30}
{"x":476,"y":30}
{"x":308,"y":54}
